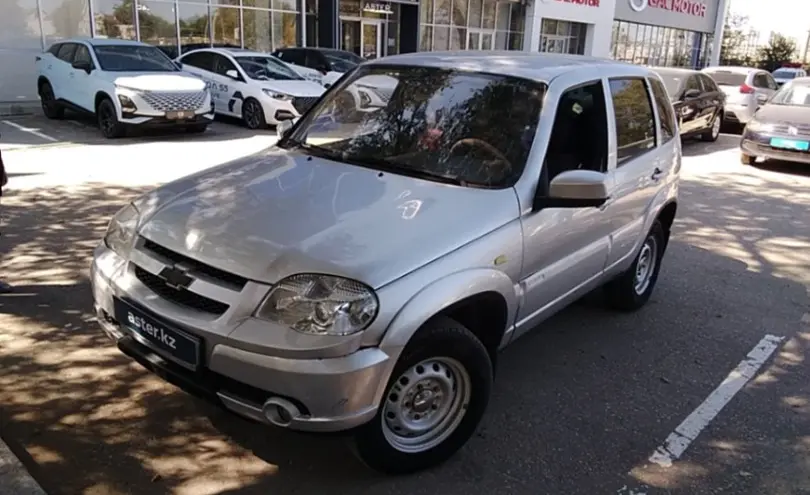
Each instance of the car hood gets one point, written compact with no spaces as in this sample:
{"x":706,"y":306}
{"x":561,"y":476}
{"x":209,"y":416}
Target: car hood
{"x":158,"y":81}
{"x":295,"y":88}
{"x":786,"y":114}
{"x":278,"y":213}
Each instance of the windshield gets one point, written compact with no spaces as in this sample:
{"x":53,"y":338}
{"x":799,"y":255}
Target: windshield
{"x":340,"y":64}
{"x":727,"y":78}
{"x":463,"y":128}
{"x":347,"y":56}
{"x":267,"y":68}
{"x":792,"y":94}
{"x":784,"y":74}
{"x":133,"y":58}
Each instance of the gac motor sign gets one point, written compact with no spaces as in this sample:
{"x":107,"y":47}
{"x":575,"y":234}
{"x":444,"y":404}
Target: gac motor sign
{"x":692,"y":15}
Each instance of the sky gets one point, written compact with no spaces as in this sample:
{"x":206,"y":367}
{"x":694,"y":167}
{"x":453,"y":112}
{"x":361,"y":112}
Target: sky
{"x":789,"y":17}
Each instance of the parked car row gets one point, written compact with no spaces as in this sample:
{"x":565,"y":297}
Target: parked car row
{"x":345,"y":293}
{"x":126,"y":84}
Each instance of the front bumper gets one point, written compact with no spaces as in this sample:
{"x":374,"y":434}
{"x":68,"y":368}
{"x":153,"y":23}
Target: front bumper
{"x":162,"y":121}
{"x":276,"y":111}
{"x":333,"y":394}
{"x":756,"y":144}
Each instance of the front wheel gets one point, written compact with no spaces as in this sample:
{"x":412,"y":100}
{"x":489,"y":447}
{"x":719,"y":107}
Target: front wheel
{"x":253,"y":114}
{"x":713,"y":132}
{"x":632,"y":289}
{"x":108,"y":122}
{"x":435,"y":399}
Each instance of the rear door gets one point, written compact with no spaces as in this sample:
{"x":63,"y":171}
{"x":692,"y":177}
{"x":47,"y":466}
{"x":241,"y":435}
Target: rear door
{"x":61,"y":82}
{"x":714,"y":98}
{"x":690,"y":108}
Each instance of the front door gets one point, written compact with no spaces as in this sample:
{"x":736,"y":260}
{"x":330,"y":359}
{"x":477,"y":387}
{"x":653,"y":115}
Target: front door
{"x":372,"y":40}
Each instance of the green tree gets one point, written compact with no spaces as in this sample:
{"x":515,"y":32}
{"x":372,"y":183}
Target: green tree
{"x":733,"y":39}
{"x":778,"y":51}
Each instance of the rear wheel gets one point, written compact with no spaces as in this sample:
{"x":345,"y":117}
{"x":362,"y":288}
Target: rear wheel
{"x":50,"y":107}
{"x":747,"y":159}
{"x":108,"y":122}
{"x":436,"y":397}
{"x":253,"y":114}
{"x":713,"y":132}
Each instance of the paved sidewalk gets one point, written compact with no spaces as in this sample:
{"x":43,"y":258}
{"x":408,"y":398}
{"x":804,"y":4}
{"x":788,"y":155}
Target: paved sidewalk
{"x":14,"y":478}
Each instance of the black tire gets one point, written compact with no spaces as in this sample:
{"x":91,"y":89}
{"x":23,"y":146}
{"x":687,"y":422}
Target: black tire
{"x":442,"y":339}
{"x":253,"y":114}
{"x":713,"y":132}
{"x":747,"y":159}
{"x":626,"y":292}
{"x":196,"y":128}
{"x":50,"y":107}
{"x":108,"y":122}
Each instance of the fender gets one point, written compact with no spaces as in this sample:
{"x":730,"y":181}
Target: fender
{"x":443,"y":293}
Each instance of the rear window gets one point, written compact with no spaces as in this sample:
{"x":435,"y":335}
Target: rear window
{"x":785,"y":74}
{"x":727,"y":78}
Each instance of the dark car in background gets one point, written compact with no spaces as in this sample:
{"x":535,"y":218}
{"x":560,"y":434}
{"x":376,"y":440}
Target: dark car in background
{"x":697,"y":100}
{"x":780,"y":129}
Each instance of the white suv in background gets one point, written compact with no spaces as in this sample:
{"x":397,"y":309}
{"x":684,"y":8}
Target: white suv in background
{"x":253,"y":86}
{"x":123,"y":83}
{"x":746,"y":90}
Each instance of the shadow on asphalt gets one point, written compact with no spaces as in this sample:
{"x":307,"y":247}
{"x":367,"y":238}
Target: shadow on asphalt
{"x":575,"y":405}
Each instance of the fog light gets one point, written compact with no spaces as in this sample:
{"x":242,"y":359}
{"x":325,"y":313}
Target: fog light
{"x":127,"y":105}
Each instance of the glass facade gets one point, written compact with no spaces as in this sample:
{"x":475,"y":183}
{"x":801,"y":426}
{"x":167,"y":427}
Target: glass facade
{"x":472,"y":25}
{"x":563,"y":37}
{"x":660,"y":46}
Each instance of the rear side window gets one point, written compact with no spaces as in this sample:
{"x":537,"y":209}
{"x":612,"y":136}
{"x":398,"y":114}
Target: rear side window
{"x":665,"y":113}
{"x":727,"y":78}
{"x":760,"y":80}
{"x":635,"y":121}
{"x":297,"y":57}
{"x":66,"y":52}
{"x":200,"y":60}
{"x":54,"y":49}
{"x":693,"y":83}
{"x":708,"y":84}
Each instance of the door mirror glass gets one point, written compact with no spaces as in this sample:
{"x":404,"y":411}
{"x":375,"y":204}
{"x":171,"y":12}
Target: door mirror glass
{"x":82,"y":65}
{"x":578,"y":189}
{"x":285,"y":126}
{"x":232,"y":74}
{"x":691,"y":94}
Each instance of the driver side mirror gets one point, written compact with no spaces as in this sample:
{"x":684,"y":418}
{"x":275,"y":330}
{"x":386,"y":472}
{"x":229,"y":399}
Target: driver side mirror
{"x":82,"y":65}
{"x":575,"y":189}
{"x":232,"y":74}
{"x":285,"y":126}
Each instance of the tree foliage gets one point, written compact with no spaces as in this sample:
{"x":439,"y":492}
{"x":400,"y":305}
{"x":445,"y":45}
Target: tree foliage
{"x":778,"y":51}
{"x":733,"y":39}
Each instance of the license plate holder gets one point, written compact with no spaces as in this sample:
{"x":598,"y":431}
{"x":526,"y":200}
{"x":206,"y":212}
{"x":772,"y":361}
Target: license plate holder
{"x":790,"y":144}
{"x":180,"y":115}
{"x":165,"y":339}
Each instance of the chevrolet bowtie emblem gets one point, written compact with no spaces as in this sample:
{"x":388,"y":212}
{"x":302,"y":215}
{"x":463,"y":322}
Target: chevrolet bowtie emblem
{"x":176,"y":277}
{"x":792,"y":131}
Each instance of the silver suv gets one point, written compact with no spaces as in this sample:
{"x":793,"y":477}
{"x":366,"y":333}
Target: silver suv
{"x":362,"y":275}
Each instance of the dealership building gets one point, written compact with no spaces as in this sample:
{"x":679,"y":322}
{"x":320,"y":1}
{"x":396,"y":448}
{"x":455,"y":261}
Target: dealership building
{"x":656,"y":32}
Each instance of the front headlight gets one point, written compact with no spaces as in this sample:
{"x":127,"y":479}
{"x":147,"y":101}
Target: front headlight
{"x":757,"y":126}
{"x":320,"y":305}
{"x":276,"y":95}
{"x":121,"y":230}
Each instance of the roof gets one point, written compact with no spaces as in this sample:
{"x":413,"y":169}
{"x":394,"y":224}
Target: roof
{"x":730,"y":68}
{"x":673,"y":71}
{"x":528,"y":65}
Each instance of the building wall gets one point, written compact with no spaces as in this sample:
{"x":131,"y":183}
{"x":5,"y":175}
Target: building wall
{"x":596,"y":14}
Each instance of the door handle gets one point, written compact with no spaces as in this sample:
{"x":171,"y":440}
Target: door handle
{"x":657,"y":173}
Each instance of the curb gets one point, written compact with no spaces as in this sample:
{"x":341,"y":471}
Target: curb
{"x":14,"y":478}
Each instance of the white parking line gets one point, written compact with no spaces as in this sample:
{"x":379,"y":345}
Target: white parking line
{"x":678,"y":441}
{"x":30,"y":131}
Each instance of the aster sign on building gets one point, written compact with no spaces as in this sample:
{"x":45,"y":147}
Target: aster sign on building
{"x":691,"y":15}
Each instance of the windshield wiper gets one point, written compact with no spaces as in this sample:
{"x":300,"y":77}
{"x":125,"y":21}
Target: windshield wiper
{"x":392,"y":167}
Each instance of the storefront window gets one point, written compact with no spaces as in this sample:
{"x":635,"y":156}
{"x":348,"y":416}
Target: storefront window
{"x":660,"y":46}
{"x":563,"y":37}
{"x":194,"y":25}
{"x":157,"y":24}
{"x":65,"y":19}
{"x":311,"y":23}
{"x":114,"y":19}
{"x":258,"y":26}
{"x":226,"y":25}
{"x":472,"y":25}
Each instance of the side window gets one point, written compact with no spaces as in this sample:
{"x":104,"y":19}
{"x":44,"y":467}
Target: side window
{"x":581,"y":111}
{"x":82,"y":55}
{"x":665,"y":112}
{"x":708,"y":83}
{"x":693,"y":83}
{"x":66,"y":52}
{"x":771,"y":81}
{"x":316,"y":61}
{"x":223,"y":65}
{"x":54,"y":49}
{"x":760,"y":80}
{"x":200,"y":60}
{"x":296,"y":57}
{"x":635,"y":122}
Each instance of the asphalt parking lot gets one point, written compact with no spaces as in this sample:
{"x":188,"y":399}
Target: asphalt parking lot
{"x":711,"y":375}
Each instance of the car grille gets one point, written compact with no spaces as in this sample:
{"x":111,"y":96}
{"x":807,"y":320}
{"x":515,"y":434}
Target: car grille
{"x":784,"y":128}
{"x":182,"y":297}
{"x":303,"y":103}
{"x":175,"y":100}
{"x":215,"y":275}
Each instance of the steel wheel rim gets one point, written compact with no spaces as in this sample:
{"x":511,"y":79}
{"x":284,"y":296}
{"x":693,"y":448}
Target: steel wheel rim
{"x":716,"y":126}
{"x":252,"y":115}
{"x":645,"y":266}
{"x":426,"y":404}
